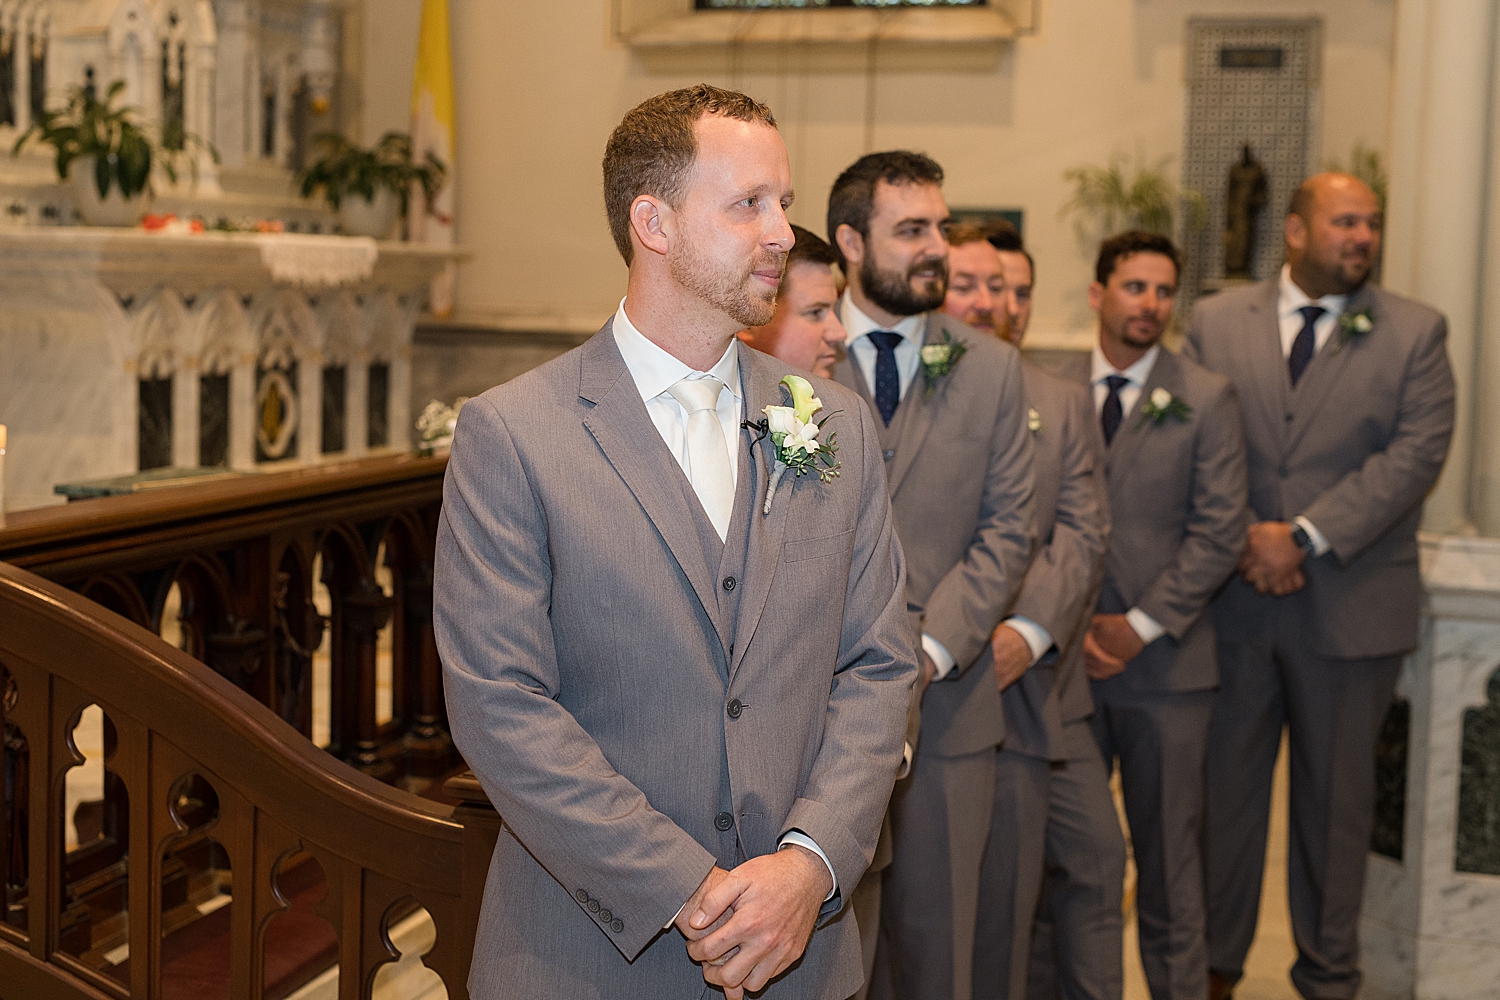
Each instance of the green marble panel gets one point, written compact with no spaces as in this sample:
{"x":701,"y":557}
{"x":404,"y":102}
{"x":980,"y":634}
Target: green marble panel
{"x":1388,"y":834}
{"x":1477,"y":843}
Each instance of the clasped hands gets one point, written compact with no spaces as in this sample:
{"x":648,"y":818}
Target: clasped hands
{"x":748,"y":925}
{"x":1272,"y":562}
{"x":1110,"y":643}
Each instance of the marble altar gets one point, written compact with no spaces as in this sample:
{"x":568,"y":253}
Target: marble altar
{"x":1430,"y":929}
{"x":94,"y":318}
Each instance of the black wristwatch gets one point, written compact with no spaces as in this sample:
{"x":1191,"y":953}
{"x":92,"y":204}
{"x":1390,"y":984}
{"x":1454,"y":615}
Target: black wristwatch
{"x":1303,"y":540}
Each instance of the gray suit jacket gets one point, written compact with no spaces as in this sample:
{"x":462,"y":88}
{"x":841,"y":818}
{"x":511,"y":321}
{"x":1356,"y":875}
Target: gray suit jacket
{"x":1354,"y":448}
{"x":959,"y":464}
{"x":1072,"y":521}
{"x":640,"y":707}
{"x":1178,"y":514}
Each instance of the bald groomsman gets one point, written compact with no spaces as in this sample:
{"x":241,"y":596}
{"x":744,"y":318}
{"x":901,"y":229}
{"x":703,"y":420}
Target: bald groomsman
{"x":1347,"y":401}
{"x":950,"y":409}
{"x":805,"y":332}
{"x":1050,"y":616}
{"x":1175,"y":462}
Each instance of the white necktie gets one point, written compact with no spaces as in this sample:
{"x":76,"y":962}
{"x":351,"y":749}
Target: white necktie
{"x":708,"y":458}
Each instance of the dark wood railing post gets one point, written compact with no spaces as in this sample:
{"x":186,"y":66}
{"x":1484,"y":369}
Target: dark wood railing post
{"x":365,"y":612}
{"x":429,"y":739}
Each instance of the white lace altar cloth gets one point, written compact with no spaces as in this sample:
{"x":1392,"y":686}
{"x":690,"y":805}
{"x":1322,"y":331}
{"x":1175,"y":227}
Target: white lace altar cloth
{"x":317,"y":261}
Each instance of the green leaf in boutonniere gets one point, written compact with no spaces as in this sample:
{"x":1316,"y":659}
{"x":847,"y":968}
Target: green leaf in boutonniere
{"x":1161,"y":405}
{"x":1034,"y":420}
{"x":1355,"y":324}
{"x":794,"y":435}
{"x":940,"y":359}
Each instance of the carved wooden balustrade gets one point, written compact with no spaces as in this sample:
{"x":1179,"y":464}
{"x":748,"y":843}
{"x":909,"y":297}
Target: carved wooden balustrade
{"x":242,"y":554}
{"x":229,"y":857}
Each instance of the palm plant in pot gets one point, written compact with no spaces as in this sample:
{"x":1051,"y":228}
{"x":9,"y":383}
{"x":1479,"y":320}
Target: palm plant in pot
{"x":367,"y":187}
{"x":105,"y":154}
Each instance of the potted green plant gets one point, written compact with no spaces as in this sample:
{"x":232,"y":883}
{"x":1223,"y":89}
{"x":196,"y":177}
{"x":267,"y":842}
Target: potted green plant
{"x":1108,"y":201}
{"x":367,"y":187}
{"x":105,"y":154}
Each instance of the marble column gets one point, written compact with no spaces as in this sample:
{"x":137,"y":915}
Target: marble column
{"x":1486,"y":472}
{"x":1441,"y":139}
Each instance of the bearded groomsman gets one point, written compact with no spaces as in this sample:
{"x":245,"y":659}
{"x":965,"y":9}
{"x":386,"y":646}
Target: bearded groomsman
{"x":1347,"y":401}
{"x":1035,"y":766}
{"x":1175,"y":461}
{"x":950,"y":410}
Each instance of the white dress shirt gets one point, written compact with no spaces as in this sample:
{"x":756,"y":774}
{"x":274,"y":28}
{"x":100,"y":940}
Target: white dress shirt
{"x":654,"y":372}
{"x":908,"y":353}
{"x":1290,"y":299}
{"x":1130,"y":393}
{"x":862,"y":352}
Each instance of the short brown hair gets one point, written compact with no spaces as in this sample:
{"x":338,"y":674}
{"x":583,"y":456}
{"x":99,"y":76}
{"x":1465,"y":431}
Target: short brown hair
{"x":963,"y":233}
{"x":654,"y":145}
{"x":853,"y":196}
{"x":810,"y":248}
{"x":1128,"y":244}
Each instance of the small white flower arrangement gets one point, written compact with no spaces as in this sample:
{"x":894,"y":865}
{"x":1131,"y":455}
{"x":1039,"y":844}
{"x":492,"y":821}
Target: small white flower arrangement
{"x":794,"y":435}
{"x":435,"y":425}
{"x":1355,"y":324}
{"x":1162,"y":404}
{"x":1034,"y":420}
{"x":940,"y":359}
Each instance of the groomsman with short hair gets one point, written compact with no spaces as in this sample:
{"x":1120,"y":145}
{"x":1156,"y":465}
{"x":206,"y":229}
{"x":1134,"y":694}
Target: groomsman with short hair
{"x":950,"y":412}
{"x":1347,"y":399}
{"x":1033,"y":768}
{"x":1175,"y":462}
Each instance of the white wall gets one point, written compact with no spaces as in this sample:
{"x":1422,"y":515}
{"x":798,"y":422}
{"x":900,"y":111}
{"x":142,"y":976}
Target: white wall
{"x":540,"y":86}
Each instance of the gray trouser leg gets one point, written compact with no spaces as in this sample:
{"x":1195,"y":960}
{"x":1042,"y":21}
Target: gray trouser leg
{"x":1161,"y":741}
{"x":1010,"y":876}
{"x":1085,"y":875}
{"x":866,"y":906}
{"x":940,"y":817}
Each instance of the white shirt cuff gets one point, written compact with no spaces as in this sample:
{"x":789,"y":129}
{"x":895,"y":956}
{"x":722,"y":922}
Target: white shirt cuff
{"x":939,"y":655}
{"x":1320,"y":543}
{"x":803,"y":840}
{"x":1038,"y":638}
{"x":1145,"y":626}
{"x":907,"y":752}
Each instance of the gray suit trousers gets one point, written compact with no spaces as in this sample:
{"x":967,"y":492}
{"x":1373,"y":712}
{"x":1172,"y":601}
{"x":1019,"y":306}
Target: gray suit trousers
{"x":1161,"y":741}
{"x":1010,"y":876}
{"x":1333,"y":710}
{"x":1077,"y":948}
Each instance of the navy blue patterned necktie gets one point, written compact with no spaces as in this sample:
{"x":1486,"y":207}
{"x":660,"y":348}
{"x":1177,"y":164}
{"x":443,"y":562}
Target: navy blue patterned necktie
{"x":1302,"y":347}
{"x":887,"y":377}
{"x":1113,"y":411}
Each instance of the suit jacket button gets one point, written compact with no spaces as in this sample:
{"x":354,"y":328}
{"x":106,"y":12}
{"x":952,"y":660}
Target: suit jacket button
{"x":581,"y":895}
{"x":617,"y":926}
{"x":735,"y":708}
{"x":605,"y":916}
{"x":724,"y":822}
{"x":1283,"y":472}
{"x":1290,"y":417}
{"x":593,"y":906}
{"x":729,"y":583}
{"x":889,"y":454}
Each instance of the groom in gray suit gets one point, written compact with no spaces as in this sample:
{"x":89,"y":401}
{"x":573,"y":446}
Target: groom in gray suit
{"x":1051,"y":614}
{"x":1347,"y":401}
{"x":1175,"y":461}
{"x":950,"y":414}
{"x":681,"y":677}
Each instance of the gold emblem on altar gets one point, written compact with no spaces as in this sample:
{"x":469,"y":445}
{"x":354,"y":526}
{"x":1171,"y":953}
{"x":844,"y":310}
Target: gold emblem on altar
{"x":276,"y":403}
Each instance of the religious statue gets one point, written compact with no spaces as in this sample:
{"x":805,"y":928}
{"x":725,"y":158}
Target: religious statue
{"x":1248,"y":193}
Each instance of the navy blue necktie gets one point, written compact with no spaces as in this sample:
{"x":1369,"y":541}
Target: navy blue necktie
{"x":1113,"y":411}
{"x":887,"y":378}
{"x":1302,"y":347}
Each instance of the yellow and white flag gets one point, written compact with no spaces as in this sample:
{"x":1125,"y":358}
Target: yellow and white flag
{"x":432,"y":131}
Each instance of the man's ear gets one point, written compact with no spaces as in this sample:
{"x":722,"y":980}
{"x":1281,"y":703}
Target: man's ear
{"x":1296,"y":232}
{"x":1096,"y":295}
{"x":649,"y":222}
{"x":851,"y":244}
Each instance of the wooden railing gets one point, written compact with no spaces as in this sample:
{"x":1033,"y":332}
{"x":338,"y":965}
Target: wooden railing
{"x":228,"y":856}
{"x":238,"y":560}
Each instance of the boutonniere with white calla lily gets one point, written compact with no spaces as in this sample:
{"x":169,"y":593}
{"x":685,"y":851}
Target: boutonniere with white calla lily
{"x":1034,"y":420}
{"x":794,"y":435}
{"x":1162,"y":404}
{"x":1355,"y":324}
{"x":940,"y":359}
